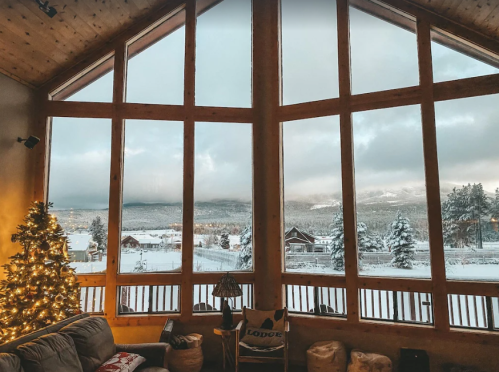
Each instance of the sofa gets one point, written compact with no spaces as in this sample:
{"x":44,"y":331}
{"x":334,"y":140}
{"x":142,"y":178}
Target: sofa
{"x":77,"y":344}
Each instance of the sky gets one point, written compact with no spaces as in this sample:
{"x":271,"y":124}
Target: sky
{"x":387,"y":143}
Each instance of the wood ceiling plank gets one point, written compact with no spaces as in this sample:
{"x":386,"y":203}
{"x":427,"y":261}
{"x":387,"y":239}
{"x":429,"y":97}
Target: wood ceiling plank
{"x":105,"y":11}
{"x":487,"y":8}
{"x":67,"y":18}
{"x":23,"y":61}
{"x":30,"y":38}
{"x":91,"y":18}
{"x":17,"y":69}
{"x":44,"y":26}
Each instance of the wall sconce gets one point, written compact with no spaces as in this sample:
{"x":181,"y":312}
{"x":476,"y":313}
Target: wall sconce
{"x":44,"y":7}
{"x":30,"y":142}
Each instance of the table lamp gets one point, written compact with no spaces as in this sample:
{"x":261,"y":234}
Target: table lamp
{"x":227,"y":287}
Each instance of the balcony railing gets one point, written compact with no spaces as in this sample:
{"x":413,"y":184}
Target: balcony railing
{"x":92,"y":299}
{"x":468,"y":311}
{"x":328,"y":301}
{"x":204,"y":301}
{"x":396,"y":306}
{"x":149,"y":299}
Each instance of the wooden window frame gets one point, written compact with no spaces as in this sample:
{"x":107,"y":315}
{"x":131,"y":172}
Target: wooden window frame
{"x":267,"y":115}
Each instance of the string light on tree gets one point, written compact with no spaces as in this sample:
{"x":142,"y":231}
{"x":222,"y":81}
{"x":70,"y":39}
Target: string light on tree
{"x":40,"y":287}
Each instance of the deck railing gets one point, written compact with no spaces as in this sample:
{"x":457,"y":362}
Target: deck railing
{"x":92,"y":299}
{"x":316,"y":300}
{"x":149,"y":299}
{"x":204,"y":301}
{"x":396,"y":306}
{"x":468,"y":311}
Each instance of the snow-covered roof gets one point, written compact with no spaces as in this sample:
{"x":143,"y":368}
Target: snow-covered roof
{"x":79,"y":242}
{"x":146,"y":239}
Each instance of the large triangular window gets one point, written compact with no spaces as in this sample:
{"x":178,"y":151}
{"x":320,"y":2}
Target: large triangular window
{"x":454,"y":59}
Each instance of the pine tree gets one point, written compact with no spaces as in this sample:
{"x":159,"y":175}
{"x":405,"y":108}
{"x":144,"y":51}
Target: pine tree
{"x":40,"y":287}
{"x":368,"y":242}
{"x":99,"y":234}
{"x":479,"y":206}
{"x":494,"y":208}
{"x":402,"y":243}
{"x":224,"y":241}
{"x":337,"y":243}
{"x":456,"y":216}
{"x":245,"y":258}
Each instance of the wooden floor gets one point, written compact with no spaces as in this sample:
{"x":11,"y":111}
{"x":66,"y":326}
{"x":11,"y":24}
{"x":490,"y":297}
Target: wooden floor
{"x":254,"y":368}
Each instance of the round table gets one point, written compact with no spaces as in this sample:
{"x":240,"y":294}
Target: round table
{"x":226,"y":335}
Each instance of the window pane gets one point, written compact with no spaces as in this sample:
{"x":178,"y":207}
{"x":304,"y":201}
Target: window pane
{"x":156,"y":64}
{"x":309,"y":51}
{"x":312,"y":196}
{"x":223,"y":55}
{"x":384,"y":56}
{"x":80,"y":158}
{"x":151,"y":237}
{"x":451,"y":63}
{"x":392,"y":224}
{"x":467,"y":133}
{"x":223,"y":197}
{"x":100,"y":88}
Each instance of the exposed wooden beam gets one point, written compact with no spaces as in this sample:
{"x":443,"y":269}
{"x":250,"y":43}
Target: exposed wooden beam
{"x":188,"y":189}
{"x":347,"y":164}
{"x":267,"y":181}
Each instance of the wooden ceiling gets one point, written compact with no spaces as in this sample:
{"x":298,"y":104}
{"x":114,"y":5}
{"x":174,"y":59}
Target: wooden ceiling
{"x":35,"y":48}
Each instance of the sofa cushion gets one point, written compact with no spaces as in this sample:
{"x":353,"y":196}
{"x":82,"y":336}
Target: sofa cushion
{"x":10,"y":363}
{"x":54,"y":352}
{"x":93,"y":340}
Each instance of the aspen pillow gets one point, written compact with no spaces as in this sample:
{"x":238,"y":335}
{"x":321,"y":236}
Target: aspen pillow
{"x":263,"y":337}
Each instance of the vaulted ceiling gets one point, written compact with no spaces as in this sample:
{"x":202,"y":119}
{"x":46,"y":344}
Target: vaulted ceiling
{"x":34,"y":48}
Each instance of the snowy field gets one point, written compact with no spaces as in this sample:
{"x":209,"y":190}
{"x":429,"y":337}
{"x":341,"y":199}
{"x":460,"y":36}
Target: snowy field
{"x":155,"y":261}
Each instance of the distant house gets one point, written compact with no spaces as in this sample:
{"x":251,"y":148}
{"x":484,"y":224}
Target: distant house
{"x":140,"y":241}
{"x":82,"y":248}
{"x":298,"y":241}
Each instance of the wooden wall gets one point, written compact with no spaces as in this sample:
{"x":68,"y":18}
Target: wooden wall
{"x":302,"y":337}
{"x":17,"y":118}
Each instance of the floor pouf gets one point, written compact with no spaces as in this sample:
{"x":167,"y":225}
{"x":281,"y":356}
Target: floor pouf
{"x":327,"y":356}
{"x":368,"y":362}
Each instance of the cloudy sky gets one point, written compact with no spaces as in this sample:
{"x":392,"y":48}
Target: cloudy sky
{"x":388,"y":145}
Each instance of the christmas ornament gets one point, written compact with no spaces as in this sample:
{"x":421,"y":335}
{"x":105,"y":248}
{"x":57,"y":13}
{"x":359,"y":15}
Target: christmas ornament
{"x":59,"y":298}
{"x":65,"y":271}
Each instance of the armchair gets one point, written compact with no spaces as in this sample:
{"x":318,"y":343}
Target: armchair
{"x":257,"y":354}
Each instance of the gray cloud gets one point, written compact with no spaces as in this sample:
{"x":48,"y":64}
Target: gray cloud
{"x":388,"y":143}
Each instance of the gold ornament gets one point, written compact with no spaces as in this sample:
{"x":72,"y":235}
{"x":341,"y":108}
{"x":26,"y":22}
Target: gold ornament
{"x":13,"y":268}
{"x":59,"y":298}
{"x":45,"y":246}
{"x":65,"y":271}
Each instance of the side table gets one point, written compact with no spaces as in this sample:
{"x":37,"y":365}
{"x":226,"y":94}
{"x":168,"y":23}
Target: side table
{"x":226,"y":334}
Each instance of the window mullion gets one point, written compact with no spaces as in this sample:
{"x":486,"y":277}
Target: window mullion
{"x":441,"y":312}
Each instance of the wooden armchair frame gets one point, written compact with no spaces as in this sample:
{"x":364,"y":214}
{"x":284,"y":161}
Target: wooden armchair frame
{"x":241,"y":331}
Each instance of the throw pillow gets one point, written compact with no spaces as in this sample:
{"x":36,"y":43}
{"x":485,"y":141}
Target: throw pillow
{"x":53,"y":352}
{"x":262,"y":337}
{"x":265,"y":319}
{"x":122,"y":362}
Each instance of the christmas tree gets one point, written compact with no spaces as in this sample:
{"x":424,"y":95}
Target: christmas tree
{"x":401,"y":243}
{"x":40,"y":287}
{"x":245,"y":258}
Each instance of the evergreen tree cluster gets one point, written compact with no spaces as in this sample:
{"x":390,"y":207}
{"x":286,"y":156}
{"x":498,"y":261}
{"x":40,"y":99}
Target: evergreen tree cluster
{"x":40,"y":287}
{"x":462,"y":215}
{"x":400,"y":241}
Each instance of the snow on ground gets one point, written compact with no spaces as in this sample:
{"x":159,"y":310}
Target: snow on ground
{"x":156,"y":261}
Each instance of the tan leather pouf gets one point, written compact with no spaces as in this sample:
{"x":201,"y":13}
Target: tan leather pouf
{"x":327,"y":356}
{"x":368,"y":362}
